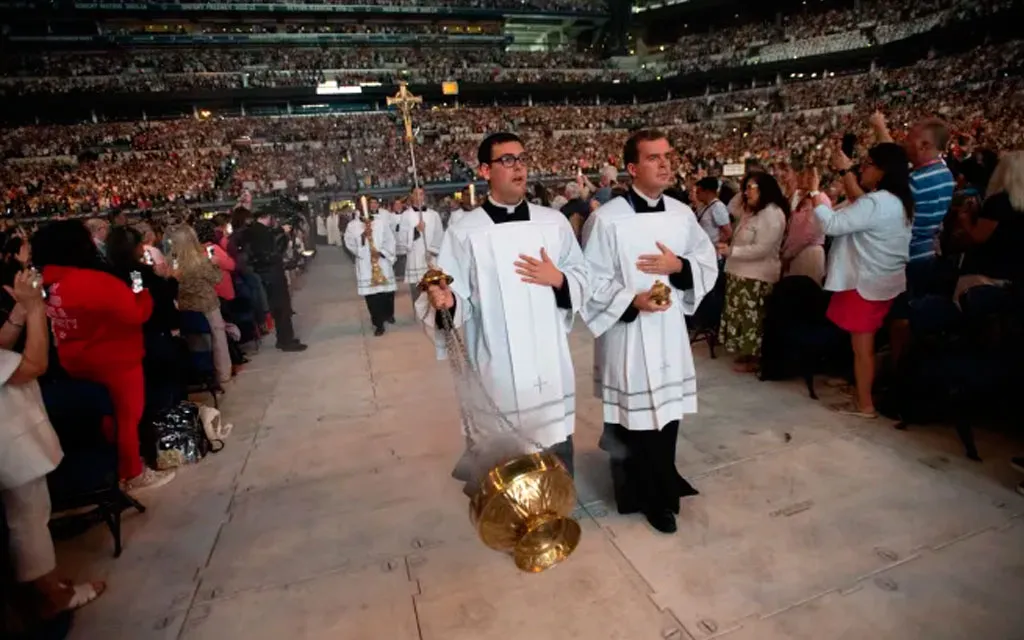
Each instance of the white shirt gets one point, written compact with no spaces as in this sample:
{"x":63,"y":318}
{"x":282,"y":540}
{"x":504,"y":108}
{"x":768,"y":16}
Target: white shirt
{"x":871,"y":247}
{"x":713,"y":216}
{"x":29,"y":448}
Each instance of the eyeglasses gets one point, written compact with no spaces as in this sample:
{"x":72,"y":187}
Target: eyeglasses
{"x":509,"y":160}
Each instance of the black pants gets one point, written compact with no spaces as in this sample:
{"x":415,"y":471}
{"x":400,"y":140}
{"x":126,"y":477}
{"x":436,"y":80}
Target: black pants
{"x":280,"y":302}
{"x":643,"y":466}
{"x":381,"y":307}
{"x":281,"y":309}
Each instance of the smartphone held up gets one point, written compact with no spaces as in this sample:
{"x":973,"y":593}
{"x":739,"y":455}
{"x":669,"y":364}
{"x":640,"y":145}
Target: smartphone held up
{"x":136,"y":281}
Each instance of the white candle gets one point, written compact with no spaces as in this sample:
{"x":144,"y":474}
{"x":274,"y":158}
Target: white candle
{"x":364,"y":206}
{"x":472,"y":194}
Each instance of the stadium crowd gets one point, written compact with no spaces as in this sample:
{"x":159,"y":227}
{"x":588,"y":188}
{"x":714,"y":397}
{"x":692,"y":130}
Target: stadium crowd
{"x":139,"y":70}
{"x":513,"y":5}
{"x":812,"y":32}
{"x":93,"y":166}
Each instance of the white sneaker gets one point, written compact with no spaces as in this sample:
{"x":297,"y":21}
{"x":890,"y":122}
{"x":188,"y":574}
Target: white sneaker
{"x":148,"y":479}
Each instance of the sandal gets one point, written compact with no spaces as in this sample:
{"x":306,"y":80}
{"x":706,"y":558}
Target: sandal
{"x":79,"y":596}
{"x":850,"y":408}
{"x":83,"y":594}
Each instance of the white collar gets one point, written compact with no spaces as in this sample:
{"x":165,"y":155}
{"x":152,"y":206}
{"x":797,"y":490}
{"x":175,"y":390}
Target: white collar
{"x":650,"y":201}
{"x":511,"y":208}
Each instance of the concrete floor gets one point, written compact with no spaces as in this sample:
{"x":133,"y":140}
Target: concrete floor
{"x":331,"y":515}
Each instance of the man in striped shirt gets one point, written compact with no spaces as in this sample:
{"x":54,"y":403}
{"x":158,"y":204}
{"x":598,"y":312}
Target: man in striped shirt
{"x":932,"y":184}
{"x":931,"y":181}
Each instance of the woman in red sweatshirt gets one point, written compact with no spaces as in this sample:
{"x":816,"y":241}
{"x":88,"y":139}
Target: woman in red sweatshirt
{"x":97,"y":327}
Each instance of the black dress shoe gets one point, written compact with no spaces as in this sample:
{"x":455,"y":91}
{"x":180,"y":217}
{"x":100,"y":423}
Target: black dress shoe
{"x":685,"y":488}
{"x":293,"y":347}
{"x":626,"y":509}
{"x":663,"y":520}
{"x":379,"y":331}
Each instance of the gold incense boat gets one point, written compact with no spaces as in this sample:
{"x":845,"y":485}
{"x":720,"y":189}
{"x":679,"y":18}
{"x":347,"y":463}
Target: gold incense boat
{"x":660,"y":293}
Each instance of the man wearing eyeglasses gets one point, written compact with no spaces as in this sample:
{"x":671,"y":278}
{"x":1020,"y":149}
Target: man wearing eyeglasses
{"x":518,"y":279}
{"x":642,"y":360}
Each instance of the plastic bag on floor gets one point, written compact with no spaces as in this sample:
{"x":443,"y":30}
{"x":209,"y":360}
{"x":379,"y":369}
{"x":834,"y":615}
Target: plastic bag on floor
{"x":180,"y":437}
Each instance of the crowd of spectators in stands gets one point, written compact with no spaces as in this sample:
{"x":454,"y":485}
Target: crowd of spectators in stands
{"x":211,"y":68}
{"x":505,"y":5}
{"x":189,"y":69}
{"x":813,"y":33}
{"x":94,"y":166}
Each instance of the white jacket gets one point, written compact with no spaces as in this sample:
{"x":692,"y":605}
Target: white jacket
{"x":756,"y":245}
{"x":29,"y":448}
{"x":871,"y":247}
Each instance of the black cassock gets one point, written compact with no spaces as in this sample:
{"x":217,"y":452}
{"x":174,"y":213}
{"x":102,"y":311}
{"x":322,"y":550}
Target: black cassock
{"x":381,"y":307}
{"x":643,"y":465}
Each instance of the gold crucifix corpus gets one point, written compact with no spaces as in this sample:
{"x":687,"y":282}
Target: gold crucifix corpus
{"x":405,"y":101}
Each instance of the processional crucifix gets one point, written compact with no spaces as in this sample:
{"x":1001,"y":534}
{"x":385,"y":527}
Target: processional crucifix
{"x":405,"y":102}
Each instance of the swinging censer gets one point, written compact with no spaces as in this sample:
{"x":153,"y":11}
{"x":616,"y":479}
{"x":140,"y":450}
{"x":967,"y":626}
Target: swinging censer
{"x":523,"y":505}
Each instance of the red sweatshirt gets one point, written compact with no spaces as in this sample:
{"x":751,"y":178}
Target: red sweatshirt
{"x":96,"y":319}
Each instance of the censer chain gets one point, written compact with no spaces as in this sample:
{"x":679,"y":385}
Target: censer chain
{"x":465,"y":374}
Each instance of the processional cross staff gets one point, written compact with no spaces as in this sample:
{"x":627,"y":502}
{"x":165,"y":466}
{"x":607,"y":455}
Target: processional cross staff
{"x":405,"y":101}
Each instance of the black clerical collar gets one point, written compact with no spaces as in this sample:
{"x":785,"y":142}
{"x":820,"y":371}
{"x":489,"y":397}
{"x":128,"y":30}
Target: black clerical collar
{"x":503,"y":213}
{"x":642,"y":204}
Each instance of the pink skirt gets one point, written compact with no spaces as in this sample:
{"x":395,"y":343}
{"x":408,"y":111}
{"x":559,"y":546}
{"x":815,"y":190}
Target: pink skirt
{"x":850,"y":312}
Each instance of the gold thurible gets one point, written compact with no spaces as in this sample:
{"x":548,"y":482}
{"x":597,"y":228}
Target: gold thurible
{"x":523,"y":506}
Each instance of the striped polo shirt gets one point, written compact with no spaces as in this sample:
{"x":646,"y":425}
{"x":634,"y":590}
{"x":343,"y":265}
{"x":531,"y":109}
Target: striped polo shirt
{"x":932,"y":186}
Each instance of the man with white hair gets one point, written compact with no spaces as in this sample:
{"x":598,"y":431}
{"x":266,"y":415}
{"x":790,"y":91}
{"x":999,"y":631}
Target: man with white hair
{"x":98,"y":229}
{"x":607,"y":179}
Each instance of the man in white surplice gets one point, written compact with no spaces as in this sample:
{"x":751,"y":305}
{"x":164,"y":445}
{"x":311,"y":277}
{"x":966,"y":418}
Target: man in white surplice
{"x":380,"y":298}
{"x":333,"y":229}
{"x":420,"y":232}
{"x":643,"y":366}
{"x":519,"y":278}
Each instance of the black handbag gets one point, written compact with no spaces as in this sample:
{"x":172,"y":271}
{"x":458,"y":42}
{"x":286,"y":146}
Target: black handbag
{"x":180,"y":437}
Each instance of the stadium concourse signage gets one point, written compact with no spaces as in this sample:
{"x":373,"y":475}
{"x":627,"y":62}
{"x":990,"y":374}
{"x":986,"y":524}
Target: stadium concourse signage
{"x":312,"y":7}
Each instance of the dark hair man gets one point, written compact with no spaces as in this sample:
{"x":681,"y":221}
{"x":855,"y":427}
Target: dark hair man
{"x":650,"y":265}
{"x":519,"y":278}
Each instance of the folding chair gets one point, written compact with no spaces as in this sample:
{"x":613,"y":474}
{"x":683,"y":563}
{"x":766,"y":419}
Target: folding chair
{"x":202,"y":375}
{"x":88,"y":474}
